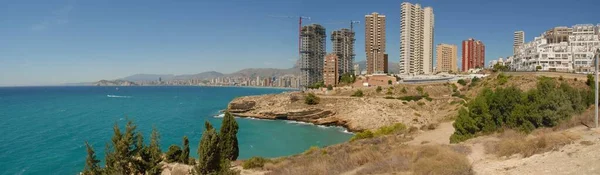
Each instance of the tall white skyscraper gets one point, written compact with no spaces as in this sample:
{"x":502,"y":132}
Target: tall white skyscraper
{"x":416,"y":39}
{"x":518,"y":41}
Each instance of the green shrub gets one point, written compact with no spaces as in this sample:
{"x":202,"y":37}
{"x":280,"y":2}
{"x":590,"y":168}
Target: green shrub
{"x":420,"y":89}
{"x":590,"y":80}
{"x":362,"y":135}
{"x":454,"y":87}
{"x":411,"y":98}
{"x":389,"y":82}
{"x":420,"y":103}
{"x":357,"y":93}
{"x":174,"y":154}
{"x":392,"y":129}
{"x":474,"y":81}
{"x":537,"y":68}
{"x":403,"y":90}
{"x":389,"y":91}
{"x":502,"y":79}
{"x":311,"y":99}
{"x":389,"y":97}
{"x":462,"y":82}
{"x":347,"y":78}
{"x":545,"y":106}
{"x":560,"y":78}
{"x":255,"y":162}
{"x":329,"y":87}
{"x":378,"y":90}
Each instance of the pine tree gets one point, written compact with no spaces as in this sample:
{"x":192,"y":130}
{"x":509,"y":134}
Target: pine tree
{"x":185,"y":154}
{"x":91,"y":163}
{"x":228,"y":142}
{"x":155,"y":154}
{"x":209,"y":160}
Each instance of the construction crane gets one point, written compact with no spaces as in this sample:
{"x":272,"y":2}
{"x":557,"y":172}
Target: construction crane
{"x":351,"y":24}
{"x":300,"y":18}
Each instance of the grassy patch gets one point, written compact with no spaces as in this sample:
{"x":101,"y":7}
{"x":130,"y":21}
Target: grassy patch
{"x":311,"y":99}
{"x":517,"y":143}
{"x":357,"y":93}
{"x":386,"y":130}
{"x":255,"y":162}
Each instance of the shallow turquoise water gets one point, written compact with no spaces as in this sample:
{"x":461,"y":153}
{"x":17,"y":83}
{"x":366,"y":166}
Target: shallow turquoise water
{"x":44,"y":128}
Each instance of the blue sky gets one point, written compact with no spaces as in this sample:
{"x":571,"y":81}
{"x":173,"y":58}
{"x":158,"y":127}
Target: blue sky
{"x":64,"y":41}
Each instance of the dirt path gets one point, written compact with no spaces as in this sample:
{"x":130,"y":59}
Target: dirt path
{"x":440,"y":135}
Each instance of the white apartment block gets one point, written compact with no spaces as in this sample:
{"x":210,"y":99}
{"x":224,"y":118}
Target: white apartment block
{"x":560,"y":49}
{"x":416,"y":39}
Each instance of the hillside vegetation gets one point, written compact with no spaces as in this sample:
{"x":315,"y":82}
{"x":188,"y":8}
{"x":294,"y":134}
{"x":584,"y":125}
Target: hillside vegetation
{"x":509,"y":107}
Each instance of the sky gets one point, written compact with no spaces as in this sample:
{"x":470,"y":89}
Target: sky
{"x":49,"y":42}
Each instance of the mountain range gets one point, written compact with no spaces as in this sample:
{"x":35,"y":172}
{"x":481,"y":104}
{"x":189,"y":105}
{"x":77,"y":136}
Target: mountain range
{"x":250,"y":72}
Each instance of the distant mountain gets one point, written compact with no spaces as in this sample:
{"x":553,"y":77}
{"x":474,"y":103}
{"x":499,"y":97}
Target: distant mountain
{"x":264,"y":72}
{"x":148,"y":77}
{"x":115,"y":83}
{"x":200,"y":76}
{"x":393,"y":67}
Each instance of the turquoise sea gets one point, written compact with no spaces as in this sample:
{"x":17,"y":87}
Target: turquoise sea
{"x":43,"y":129}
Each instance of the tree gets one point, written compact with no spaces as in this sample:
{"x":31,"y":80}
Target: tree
{"x":185,"y":154}
{"x":174,"y":154}
{"x":347,"y":78}
{"x":462,"y":82}
{"x":311,"y":99}
{"x":154,"y":154}
{"x":228,"y":141}
{"x":538,"y":68}
{"x":378,"y":90}
{"x":389,"y":82}
{"x":209,"y":160}
{"x":91,"y":163}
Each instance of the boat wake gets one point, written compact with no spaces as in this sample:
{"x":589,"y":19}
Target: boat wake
{"x":117,"y":96}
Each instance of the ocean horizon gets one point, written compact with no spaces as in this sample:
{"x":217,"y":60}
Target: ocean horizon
{"x":45,"y":127}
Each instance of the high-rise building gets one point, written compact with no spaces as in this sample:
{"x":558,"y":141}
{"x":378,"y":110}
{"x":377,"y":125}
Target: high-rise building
{"x":473,"y":54}
{"x":385,"y":63}
{"x":343,"y":46}
{"x":312,"y":54}
{"x":356,"y":69}
{"x":331,"y":69}
{"x":518,"y":41}
{"x":375,"y":42}
{"x":416,"y":39}
{"x":446,"y":58}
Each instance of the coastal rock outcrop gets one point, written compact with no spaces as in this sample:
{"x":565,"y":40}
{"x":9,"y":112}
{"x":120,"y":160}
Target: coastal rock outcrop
{"x":355,"y":114}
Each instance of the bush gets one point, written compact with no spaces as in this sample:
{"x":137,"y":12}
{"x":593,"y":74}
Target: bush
{"x":590,"y":80}
{"x":358,"y":93}
{"x":502,"y":79}
{"x":311,"y":99}
{"x":378,"y":90}
{"x":389,"y":97}
{"x":403,"y":90}
{"x":420,"y":90}
{"x":174,"y":154}
{"x":462,"y":82}
{"x":454,"y":87}
{"x":545,"y":106}
{"x":392,"y":129}
{"x":255,"y":162}
{"x":389,"y":91}
{"x":474,"y":81}
{"x":389,"y":82}
{"x":575,"y":79}
{"x":329,"y":87}
{"x":538,"y":68}
{"x":347,"y":78}
{"x":362,"y":135}
{"x":560,"y":78}
{"x":420,"y":103}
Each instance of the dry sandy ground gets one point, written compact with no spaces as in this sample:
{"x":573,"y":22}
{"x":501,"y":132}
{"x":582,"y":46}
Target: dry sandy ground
{"x":576,"y":158}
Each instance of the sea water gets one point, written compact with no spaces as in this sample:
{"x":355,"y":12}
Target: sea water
{"x":43,"y":129}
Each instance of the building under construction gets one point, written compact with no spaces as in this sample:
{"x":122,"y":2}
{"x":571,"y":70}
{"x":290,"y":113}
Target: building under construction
{"x":312,"y":54}
{"x":343,"y":46}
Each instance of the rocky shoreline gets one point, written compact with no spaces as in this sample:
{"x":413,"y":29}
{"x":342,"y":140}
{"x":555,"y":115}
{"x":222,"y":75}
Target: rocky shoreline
{"x":353,"y":114}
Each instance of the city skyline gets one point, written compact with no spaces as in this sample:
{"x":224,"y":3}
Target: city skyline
{"x":78,"y":41}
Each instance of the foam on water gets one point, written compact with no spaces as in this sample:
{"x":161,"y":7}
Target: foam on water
{"x":117,"y":96}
